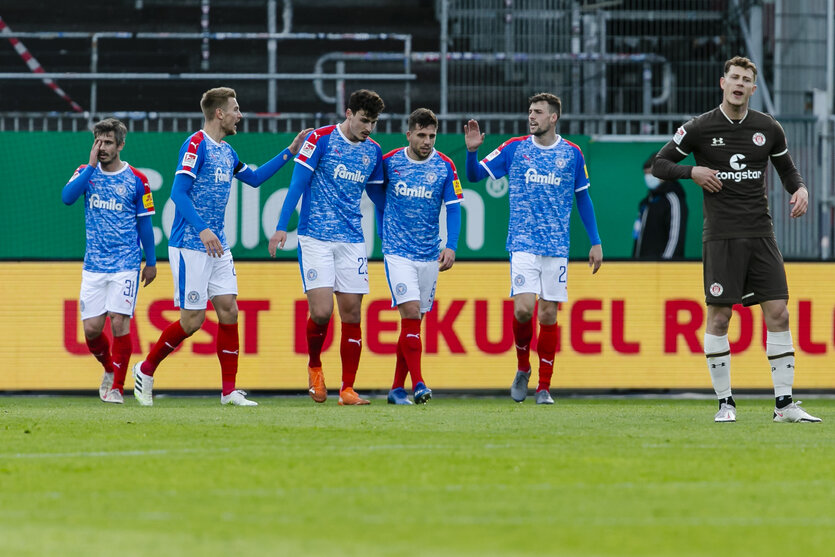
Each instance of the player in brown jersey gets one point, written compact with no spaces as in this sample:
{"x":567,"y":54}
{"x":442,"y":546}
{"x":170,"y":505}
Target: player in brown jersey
{"x":732,"y":145}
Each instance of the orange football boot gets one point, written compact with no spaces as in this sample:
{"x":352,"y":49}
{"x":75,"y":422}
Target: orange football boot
{"x":316,"y":383}
{"x":349,"y":397}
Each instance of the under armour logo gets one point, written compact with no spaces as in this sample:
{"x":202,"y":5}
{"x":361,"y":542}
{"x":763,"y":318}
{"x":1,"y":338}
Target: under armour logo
{"x":357,"y":340}
{"x":714,"y":366}
{"x":718,"y":142}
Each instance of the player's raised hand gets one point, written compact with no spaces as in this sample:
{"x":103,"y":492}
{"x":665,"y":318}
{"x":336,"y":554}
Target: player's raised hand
{"x":149,"y":273}
{"x":473,"y":137}
{"x":446,"y":260}
{"x":277,"y":241}
{"x":706,"y":178}
{"x":213,"y":246}
{"x":799,"y":202}
{"x":595,"y":258}
{"x":94,"y":153}
{"x":299,"y":140}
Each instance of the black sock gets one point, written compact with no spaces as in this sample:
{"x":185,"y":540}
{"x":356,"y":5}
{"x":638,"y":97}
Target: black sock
{"x":730,"y":400}
{"x":783,"y":401}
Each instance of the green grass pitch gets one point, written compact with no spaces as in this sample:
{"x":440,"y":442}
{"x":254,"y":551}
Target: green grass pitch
{"x":460,"y":476}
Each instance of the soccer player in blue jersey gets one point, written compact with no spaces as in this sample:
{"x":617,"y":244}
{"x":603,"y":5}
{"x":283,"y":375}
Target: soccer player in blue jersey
{"x":117,"y":211}
{"x":545,"y":174}
{"x":418,"y":181}
{"x":335,"y":164}
{"x":201,"y":263}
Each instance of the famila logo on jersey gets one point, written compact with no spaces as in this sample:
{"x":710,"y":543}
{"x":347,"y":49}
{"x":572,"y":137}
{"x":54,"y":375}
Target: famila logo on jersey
{"x":341,"y":171}
{"x":534,"y":177}
{"x":400,"y":188}
{"x":98,"y":203}
{"x":221,"y":176}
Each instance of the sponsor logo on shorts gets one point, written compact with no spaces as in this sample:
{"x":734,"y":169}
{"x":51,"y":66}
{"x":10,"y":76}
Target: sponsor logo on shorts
{"x":519,"y":280}
{"x":312,"y":274}
{"x":193,"y":297}
{"x":758,"y":139}
{"x":400,"y":289}
{"x":716,"y":289}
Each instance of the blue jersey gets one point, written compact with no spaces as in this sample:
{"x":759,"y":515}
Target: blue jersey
{"x":112,"y":203}
{"x":341,"y":170}
{"x":541,"y":186}
{"x":415,"y":191}
{"x":212,"y":165}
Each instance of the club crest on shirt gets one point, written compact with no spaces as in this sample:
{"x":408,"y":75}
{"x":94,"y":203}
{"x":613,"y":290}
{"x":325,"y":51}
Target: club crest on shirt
{"x":366,"y":160}
{"x":430,"y":177}
{"x":758,"y":139}
{"x":312,"y":274}
{"x":120,"y":190}
{"x":400,"y":289}
{"x":519,"y":280}
{"x":193,"y":297}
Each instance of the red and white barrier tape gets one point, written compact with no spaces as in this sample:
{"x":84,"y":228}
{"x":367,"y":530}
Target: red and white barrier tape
{"x":35,"y":66}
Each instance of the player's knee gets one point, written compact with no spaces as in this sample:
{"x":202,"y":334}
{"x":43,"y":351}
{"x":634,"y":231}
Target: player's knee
{"x":92,"y":330}
{"x":523,"y":314}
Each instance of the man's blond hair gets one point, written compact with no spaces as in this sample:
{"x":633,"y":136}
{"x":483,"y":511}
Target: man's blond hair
{"x":214,"y":99}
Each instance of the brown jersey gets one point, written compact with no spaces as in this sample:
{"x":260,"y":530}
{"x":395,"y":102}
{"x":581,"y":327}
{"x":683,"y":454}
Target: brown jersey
{"x":740,"y":151}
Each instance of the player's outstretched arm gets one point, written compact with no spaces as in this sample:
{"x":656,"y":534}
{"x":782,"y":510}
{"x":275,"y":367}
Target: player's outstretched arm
{"x":298,"y":141}
{"x":473,"y":137}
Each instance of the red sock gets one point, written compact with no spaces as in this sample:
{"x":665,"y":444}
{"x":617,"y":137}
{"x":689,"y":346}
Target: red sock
{"x":227,"y":353}
{"x":350,"y":349}
{"x":168,"y":341}
{"x":401,"y":370}
{"x":522,"y":335}
{"x":121,"y":360}
{"x":100,"y":348}
{"x":315,"y":340}
{"x":409,"y":343}
{"x":546,"y":348}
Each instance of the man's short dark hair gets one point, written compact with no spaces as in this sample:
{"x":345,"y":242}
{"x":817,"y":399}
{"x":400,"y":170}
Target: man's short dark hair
{"x":422,"y":117}
{"x":553,"y":101}
{"x":111,"y":125}
{"x":366,"y":100}
{"x":742,"y":62}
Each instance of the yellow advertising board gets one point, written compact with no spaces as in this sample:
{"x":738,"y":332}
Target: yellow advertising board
{"x":631,"y":326}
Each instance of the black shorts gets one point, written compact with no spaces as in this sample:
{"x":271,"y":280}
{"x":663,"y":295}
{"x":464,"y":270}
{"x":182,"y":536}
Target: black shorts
{"x":743,"y":270}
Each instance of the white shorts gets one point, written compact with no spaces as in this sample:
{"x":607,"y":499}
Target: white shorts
{"x":539,"y":274}
{"x":338,"y":265}
{"x":411,"y":280}
{"x":199,"y":277}
{"x":108,"y":292}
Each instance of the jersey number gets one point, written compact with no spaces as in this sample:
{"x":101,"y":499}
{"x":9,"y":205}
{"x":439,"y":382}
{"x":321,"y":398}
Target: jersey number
{"x":363,"y":268}
{"x":561,"y":278}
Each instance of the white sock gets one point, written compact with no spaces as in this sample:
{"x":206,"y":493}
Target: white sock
{"x":780,"y":352}
{"x":718,"y":354}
